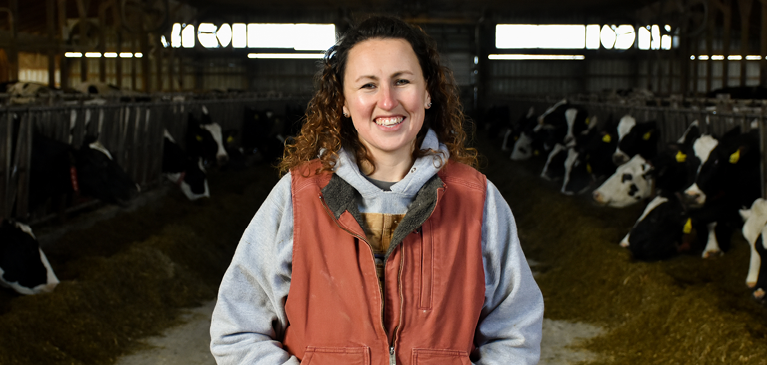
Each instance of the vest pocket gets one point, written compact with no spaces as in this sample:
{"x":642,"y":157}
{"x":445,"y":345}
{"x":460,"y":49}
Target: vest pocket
{"x":336,"y":355}
{"x":440,"y":357}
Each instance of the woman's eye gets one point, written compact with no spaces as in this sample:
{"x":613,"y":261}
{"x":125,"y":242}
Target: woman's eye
{"x":367,"y":86}
{"x":402,"y":82}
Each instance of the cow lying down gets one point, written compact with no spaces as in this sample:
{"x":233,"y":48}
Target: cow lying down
{"x":23,"y":265}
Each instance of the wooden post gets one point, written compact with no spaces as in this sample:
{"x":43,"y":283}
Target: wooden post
{"x":763,"y":48}
{"x":146,"y":70}
{"x":81,"y":8}
{"x":158,"y":61}
{"x":13,"y":51}
{"x":745,"y":16}
{"x":50,"y":11}
{"x":64,"y":66}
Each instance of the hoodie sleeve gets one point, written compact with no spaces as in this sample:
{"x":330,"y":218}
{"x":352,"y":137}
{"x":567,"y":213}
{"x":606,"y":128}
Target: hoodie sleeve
{"x":509,"y":329}
{"x":249,"y":317}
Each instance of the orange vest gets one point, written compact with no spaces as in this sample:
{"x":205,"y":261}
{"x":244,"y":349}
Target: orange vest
{"x":434,"y":276}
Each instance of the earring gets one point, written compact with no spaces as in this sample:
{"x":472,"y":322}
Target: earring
{"x":428,"y":105}
{"x":346,"y":115}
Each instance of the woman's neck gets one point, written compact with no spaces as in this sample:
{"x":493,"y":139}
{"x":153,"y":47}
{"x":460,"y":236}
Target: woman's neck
{"x":388,"y":167}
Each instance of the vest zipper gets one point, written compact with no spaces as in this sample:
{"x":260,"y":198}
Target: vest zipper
{"x":392,"y":360}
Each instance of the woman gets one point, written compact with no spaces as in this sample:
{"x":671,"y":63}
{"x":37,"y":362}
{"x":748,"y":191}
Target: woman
{"x":380,"y":244}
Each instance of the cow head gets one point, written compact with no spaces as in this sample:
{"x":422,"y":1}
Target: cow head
{"x":23,"y":265}
{"x":722,"y":166}
{"x":629,"y":184}
{"x":99,"y":176}
{"x":635,"y":138}
{"x":204,"y":139}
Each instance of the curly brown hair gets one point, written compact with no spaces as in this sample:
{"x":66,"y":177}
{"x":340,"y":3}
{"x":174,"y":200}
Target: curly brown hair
{"x":325,"y":131}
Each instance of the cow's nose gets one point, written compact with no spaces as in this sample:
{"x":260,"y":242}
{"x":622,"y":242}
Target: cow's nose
{"x":619,"y":159}
{"x":597,"y":197}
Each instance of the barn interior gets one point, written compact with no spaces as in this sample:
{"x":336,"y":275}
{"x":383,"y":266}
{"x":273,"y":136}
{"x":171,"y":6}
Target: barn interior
{"x":130,"y":72}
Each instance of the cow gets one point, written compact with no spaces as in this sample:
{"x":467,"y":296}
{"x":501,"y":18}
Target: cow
{"x":563,"y":122}
{"x":589,"y":161}
{"x":512,"y":132}
{"x":204,"y":139}
{"x":23,"y":265}
{"x":184,"y":170}
{"x":640,"y":179}
{"x":725,"y":177}
{"x":264,"y":134}
{"x":558,"y":124}
{"x":658,"y":233}
{"x":754,"y":230}
{"x":635,"y":138}
{"x":57,"y":169}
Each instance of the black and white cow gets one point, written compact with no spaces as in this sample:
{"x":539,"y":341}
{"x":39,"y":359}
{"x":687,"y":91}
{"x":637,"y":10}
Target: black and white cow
{"x":184,"y":170}
{"x":58,"y":169}
{"x":639,"y":178}
{"x":562,"y":122}
{"x":512,"y":133}
{"x":204,"y":139}
{"x":264,"y":134}
{"x":663,"y":230}
{"x":589,"y":161}
{"x":754,"y":230}
{"x":636,"y":138}
{"x":725,"y":177}
{"x":23,"y":265}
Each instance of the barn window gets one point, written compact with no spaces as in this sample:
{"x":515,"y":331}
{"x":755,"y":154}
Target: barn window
{"x":528,"y":36}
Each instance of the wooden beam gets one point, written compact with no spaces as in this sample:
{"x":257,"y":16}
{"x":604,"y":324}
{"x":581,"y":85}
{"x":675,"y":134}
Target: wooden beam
{"x":745,"y":17}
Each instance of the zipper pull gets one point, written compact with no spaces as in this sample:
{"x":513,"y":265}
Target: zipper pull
{"x":392,"y":358}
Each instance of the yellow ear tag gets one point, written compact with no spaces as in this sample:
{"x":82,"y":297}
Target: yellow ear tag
{"x":588,"y":121}
{"x":687,"y":226}
{"x":588,"y":168}
{"x":230,"y":139}
{"x":735,"y":157}
{"x":199,"y":138}
{"x":606,"y":138}
{"x":647,"y":135}
{"x":680,"y":157}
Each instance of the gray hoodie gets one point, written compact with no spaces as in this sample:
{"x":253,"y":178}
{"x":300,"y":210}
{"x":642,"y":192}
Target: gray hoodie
{"x":249,"y":317}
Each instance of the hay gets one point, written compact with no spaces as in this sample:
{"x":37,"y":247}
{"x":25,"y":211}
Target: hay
{"x":685,"y":310}
{"x":127,"y":277}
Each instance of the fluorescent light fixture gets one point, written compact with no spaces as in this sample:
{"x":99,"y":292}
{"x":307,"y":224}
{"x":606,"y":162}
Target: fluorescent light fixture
{"x":294,"y":56}
{"x":524,"y":36}
{"x":110,"y":54}
{"x":735,"y":57}
{"x":717,"y":58}
{"x":126,"y":55}
{"x":536,"y":57}
{"x":703,"y":57}
{"x":93,"y":54}
{"x":73,"y":54}
{"x":753,"y":58}
{"x":138,"y":55}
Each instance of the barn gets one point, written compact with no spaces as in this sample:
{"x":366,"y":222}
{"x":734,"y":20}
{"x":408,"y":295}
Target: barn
{"x":138,"y":139}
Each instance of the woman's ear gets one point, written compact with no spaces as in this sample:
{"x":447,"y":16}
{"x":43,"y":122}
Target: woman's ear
{"x":345,"y":110}
{"x":427,"y":100}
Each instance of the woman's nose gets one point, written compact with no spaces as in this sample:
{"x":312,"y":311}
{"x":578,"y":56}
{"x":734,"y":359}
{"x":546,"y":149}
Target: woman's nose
{"x":387,"y":98}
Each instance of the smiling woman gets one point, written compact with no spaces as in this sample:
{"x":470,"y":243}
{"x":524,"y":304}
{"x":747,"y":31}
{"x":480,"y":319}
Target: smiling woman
{"x":409,"y":255}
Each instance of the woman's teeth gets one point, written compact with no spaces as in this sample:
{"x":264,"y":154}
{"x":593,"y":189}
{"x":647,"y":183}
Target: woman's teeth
{"x":389,"y":121}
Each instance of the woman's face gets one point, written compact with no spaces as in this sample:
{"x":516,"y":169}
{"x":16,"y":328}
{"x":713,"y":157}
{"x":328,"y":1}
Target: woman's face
{"x":385,"y":95}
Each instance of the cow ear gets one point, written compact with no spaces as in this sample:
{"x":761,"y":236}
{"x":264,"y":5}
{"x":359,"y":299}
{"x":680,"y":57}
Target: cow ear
{"x":745,"y":214}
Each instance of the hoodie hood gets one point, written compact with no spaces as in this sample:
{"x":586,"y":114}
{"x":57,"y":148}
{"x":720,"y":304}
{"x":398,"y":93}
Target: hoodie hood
{"x":404,"y":191}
